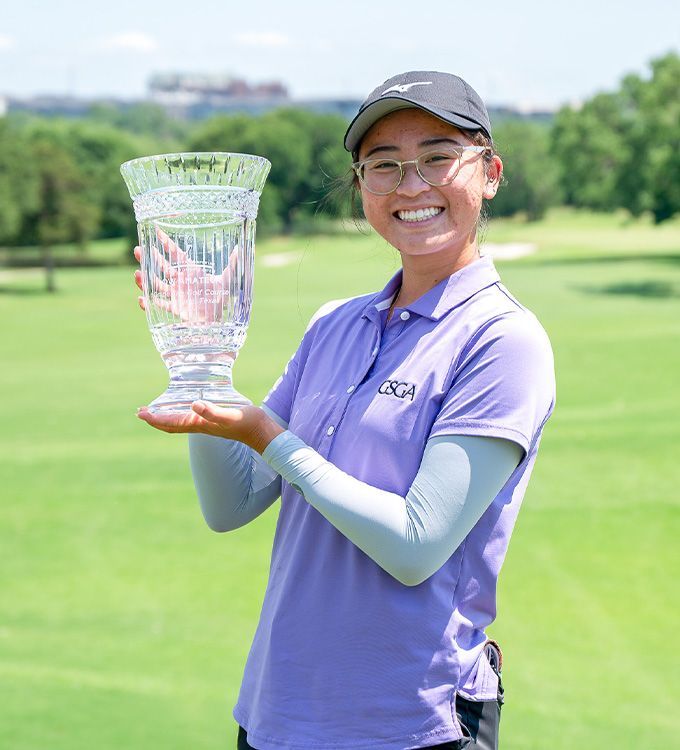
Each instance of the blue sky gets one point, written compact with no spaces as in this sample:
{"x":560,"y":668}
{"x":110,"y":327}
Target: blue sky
{"x":528,"y":54}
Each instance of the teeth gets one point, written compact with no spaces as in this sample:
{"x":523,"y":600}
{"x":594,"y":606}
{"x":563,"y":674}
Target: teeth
{"x":420,"y":215}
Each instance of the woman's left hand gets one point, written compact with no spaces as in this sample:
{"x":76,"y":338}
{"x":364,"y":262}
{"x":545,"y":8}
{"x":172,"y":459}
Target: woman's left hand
{"x":247,"y":424}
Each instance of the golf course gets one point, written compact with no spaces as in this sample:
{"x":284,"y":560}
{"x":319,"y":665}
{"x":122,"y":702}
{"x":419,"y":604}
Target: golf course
{"x":125,"y":622}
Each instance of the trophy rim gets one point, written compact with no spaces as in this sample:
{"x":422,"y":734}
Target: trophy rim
{"x":192,"y":154}
{"x":231,"y":169}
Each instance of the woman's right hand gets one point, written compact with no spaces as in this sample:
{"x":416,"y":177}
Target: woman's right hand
{"x":138,"y":276}
{"x":183,"y":287}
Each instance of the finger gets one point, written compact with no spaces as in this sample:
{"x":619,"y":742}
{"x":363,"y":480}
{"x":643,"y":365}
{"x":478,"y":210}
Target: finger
{"x":233,"y":259}
{"x":161,"y":286}
{"x":218,"y":415}
{"x":141,"y":302}
{"x":157,"y":268}
{"x":231,"y":266}
{"x":174,"y":422}
{"x":170,"y":247}
{"x":159,"y":263}
{"x":179,"y":256}
{"x":138,"y":253}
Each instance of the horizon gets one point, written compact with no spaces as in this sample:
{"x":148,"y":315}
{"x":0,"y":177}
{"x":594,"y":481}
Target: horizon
{"x":290,"y":100}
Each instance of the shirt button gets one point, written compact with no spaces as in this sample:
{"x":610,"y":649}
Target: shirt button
{"x":351,"y":389}
{"x":405,"y":315}
{"x":330,"y":430}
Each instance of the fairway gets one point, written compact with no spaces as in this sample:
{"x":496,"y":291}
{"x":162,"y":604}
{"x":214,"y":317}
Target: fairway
{"x":125,"y":622}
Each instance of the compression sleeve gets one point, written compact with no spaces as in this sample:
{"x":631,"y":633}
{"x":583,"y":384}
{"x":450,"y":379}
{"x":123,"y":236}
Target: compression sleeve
{"x":409,"y":537}
{"x":233,"y":483}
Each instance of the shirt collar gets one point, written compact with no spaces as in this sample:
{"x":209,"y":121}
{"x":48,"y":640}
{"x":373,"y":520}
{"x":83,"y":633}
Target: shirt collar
{"x":442,"y":298}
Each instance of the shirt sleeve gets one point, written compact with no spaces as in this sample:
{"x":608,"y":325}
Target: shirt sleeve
{"x":503,"y":383}
{"x":281,"y":397}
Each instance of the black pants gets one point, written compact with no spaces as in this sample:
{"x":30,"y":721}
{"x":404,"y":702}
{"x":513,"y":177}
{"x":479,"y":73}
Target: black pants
{"x":479,"y":719}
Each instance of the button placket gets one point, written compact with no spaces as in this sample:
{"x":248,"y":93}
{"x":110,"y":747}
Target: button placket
{"x":338,"y":414}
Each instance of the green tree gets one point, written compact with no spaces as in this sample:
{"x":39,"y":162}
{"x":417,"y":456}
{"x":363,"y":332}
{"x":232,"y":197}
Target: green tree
{"x":145,"y":119}
{"x":622,"y":149}
{"x":305,"y":150}
{"x":328,"y":161}
{"x":18,"y":182}
{"x":591,"y":148}
{"x":650,"y":180}
{"x":531,"y":178}
{"x":98,"y":151}
{"x":65,"y":211}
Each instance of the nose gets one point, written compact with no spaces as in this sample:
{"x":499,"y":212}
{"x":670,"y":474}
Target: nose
{"x":412,"y":183}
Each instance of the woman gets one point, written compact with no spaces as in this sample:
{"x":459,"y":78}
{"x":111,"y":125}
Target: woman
{"x":401,"y":438}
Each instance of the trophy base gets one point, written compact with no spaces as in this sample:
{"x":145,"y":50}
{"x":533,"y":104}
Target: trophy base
{"x":178,"y":398}
{"x":198,"y":375}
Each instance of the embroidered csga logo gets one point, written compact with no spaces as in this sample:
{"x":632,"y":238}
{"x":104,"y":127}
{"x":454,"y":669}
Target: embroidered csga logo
{"x":398,"y":389}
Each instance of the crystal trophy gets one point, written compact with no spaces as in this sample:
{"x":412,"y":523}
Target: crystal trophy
{"x":195,"y":217}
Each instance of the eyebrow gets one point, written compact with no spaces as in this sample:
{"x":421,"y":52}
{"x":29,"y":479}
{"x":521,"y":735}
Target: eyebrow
{"x":428,"y":142}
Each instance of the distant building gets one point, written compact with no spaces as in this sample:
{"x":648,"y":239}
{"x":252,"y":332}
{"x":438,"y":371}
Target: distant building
{"x":193,"y":96}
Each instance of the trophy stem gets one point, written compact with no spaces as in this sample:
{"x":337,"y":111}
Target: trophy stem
{"x":198,"y":375}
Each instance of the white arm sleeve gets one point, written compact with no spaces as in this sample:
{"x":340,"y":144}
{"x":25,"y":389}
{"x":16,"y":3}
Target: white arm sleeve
{"x":409,"y":537}
{"x":233,"y":483}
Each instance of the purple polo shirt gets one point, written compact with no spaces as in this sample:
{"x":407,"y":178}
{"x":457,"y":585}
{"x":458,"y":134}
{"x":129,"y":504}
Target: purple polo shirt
{"x":344,"y":655}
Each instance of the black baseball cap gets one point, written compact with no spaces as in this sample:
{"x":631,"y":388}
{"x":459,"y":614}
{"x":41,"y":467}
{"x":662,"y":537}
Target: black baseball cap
{"x":443,"y":95}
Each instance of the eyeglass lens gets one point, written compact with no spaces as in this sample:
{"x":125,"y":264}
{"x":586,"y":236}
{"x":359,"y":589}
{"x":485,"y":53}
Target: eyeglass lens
{"x":435,"y":167}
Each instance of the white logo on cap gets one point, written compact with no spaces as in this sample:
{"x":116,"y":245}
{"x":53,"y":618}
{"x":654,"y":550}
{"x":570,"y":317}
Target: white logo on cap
{"x":402,"y":88}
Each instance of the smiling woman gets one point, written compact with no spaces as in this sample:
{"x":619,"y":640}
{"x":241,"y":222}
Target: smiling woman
{"x":400,"y":438}
{"x":434,"y":205}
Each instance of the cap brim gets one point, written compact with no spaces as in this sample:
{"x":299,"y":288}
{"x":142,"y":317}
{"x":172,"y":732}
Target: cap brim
{"x":370,"y":115}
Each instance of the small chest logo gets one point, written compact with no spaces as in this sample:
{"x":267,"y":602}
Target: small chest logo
{"x":398,"y":389}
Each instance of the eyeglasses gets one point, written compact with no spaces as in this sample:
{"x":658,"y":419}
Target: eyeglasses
{"x":437,"y":168}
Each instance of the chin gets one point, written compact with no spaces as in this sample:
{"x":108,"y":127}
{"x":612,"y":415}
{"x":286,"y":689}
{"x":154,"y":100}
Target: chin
{"x":427,"y":247}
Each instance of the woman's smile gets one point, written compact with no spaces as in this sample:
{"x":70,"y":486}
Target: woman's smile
{"x":418,"y":215}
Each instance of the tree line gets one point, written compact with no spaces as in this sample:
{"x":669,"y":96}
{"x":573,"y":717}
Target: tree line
{"x":59,"y":179}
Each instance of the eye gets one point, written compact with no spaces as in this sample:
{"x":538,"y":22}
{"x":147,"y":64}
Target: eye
{"x":382,"y":165}
{"x":439,"y":158}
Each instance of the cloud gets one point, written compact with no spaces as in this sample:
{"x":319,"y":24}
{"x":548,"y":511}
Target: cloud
{"x":268,"y":39}
{"x":6,"y":42}
{"x":135,"y":41}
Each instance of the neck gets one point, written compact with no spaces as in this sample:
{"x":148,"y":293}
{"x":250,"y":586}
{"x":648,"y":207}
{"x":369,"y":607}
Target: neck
{"x":423,"y":272}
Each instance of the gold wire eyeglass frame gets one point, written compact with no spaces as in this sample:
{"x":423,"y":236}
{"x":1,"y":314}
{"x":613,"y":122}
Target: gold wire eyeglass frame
{"x":359,"y":166}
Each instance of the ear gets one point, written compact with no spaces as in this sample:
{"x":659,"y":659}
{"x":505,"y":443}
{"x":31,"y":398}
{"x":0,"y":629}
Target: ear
{"x":494,"y":171}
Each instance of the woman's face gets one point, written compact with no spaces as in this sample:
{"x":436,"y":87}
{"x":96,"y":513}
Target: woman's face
{"x":455,"y":207}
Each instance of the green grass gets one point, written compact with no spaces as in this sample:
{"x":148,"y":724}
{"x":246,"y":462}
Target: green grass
{"x":125,"y":622}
